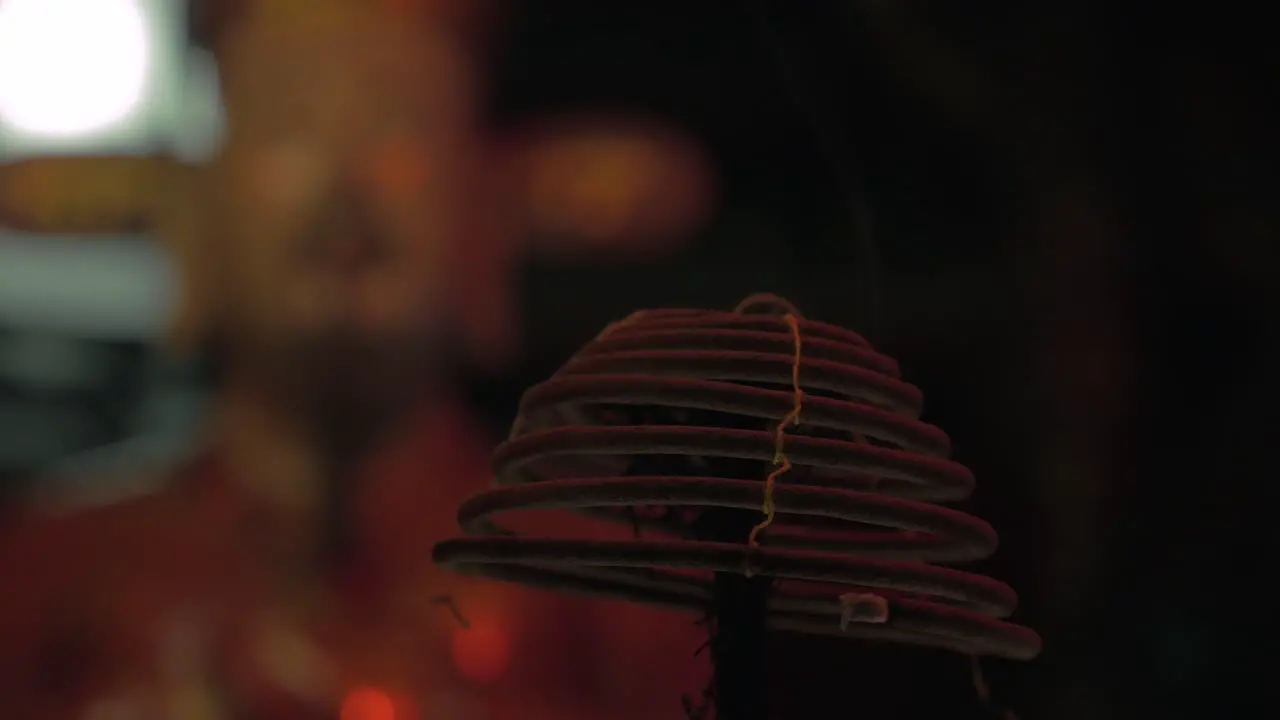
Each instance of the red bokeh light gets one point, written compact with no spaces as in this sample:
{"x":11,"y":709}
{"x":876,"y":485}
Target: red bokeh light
{"x":481,"y":653}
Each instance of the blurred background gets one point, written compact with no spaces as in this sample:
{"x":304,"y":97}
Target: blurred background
{"x":1058,"y":217}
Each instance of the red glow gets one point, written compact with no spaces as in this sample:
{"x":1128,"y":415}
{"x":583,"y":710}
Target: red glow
{"x":481,"y":653}
{"x":368,"y":703}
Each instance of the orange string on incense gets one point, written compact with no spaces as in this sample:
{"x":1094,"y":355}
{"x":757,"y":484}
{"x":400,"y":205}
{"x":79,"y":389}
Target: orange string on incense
{"x":983,"y":690}
{"x":780,"y":461}
{"x":452,"y":606}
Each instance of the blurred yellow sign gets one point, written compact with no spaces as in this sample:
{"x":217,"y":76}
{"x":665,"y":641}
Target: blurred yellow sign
{"x":83,"y":195}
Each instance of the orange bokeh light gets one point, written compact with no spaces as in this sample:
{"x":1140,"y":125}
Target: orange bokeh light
{"x":368,"y":703}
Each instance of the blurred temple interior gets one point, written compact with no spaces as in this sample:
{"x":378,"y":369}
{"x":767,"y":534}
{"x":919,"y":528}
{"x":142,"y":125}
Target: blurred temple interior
{"x":1058,"y":218}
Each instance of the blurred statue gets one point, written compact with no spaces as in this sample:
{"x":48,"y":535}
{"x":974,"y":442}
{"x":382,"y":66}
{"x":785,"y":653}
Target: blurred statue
{"x":356,"y":235}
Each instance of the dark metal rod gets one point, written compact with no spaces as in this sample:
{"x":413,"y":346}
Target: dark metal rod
{"x":738,"y":627}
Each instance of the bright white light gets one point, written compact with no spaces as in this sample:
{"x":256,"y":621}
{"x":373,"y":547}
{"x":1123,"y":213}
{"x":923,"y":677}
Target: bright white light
{"x":70,"y":67}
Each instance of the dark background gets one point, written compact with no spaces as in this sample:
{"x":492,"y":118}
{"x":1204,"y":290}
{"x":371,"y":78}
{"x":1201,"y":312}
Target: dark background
{"x":1071,"y":252}
{"x":1058,"y":217}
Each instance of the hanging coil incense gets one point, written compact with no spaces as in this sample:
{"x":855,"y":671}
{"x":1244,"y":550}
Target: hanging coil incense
{"x":777,"y":476}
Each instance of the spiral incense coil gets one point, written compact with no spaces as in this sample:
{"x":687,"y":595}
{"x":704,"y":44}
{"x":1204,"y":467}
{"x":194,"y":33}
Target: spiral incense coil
{"x":671,"y":414}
